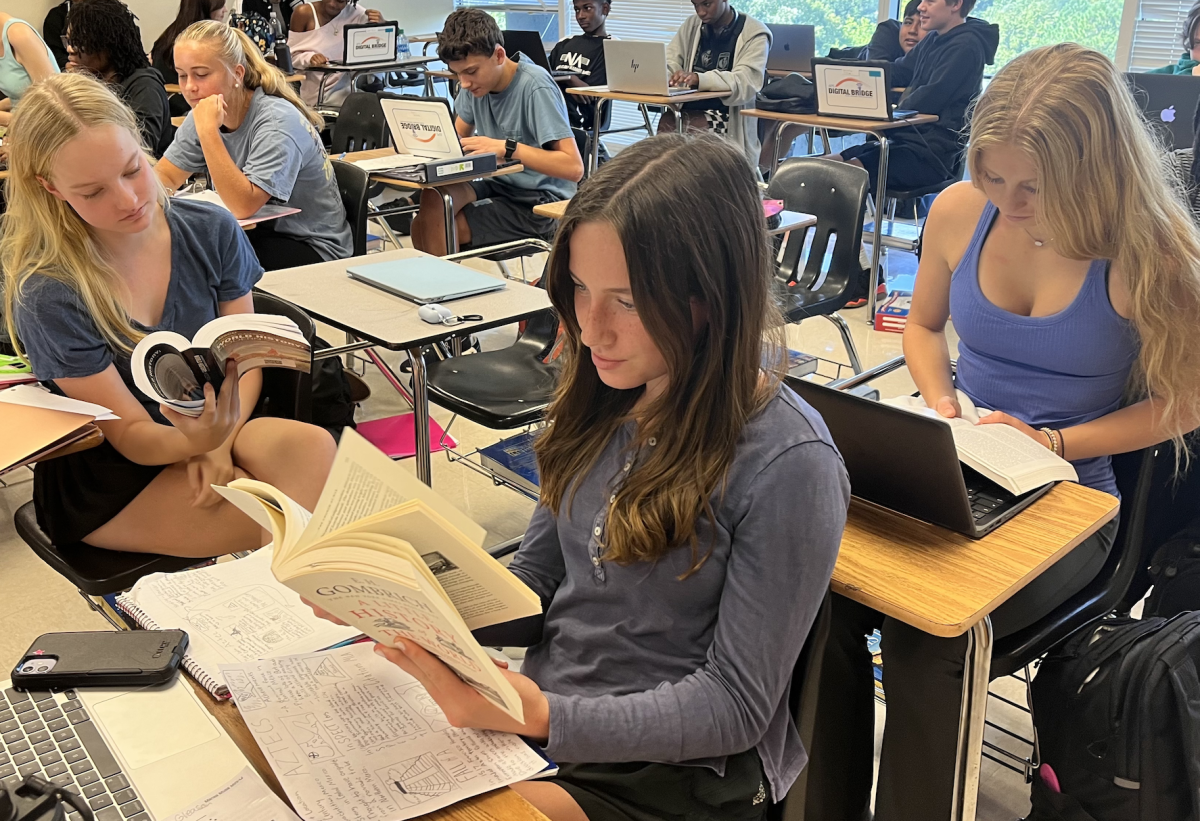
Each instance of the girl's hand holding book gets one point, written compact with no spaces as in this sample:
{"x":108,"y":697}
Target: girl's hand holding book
{"x":220,"y":417}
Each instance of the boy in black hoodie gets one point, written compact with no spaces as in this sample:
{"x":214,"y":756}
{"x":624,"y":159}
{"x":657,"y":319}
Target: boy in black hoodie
{"x":942,"y":75}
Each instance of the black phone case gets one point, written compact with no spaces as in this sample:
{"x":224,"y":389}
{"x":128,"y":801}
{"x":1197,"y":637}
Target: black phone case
{"x":104,"y":659}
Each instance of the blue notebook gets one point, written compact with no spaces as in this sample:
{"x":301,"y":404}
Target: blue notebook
{"x":425,"y":279}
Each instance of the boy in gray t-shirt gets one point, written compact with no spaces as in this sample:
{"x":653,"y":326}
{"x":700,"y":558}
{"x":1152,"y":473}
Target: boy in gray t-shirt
{"x":511,"y":109}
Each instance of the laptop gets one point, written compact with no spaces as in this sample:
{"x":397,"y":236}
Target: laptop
{"x":422,"y":131}
{"x":857,"y":90}
{"x":1167,"y":101}
{"x":134,"y":755}
{"x":530,"y":44}
{"x":792,"y":48}
{"x":907,"y":463}
{"x":368,"y":44}
{"x":638,"y":67}
{"x":424,"y":279}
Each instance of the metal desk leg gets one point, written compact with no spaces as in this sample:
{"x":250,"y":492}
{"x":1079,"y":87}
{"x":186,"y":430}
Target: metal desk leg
{"x":779,"y":129}
{"x":451,"y":228}
{"x":969,"y":755}
{"x":421,"y":416}
{"x":390,"y":376}
{"x":594,"y":152}
{"x":679,"y":126}
{"x":877,"y":243}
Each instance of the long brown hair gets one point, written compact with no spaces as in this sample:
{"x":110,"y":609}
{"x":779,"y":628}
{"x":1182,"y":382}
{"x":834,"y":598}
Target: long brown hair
{"x":1103,"y":194}
{"x":648,"y":193}
{"x":190,"y":11}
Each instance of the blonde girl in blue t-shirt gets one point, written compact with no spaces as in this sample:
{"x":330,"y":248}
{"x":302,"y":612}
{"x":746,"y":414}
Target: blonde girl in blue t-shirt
{"x":95,"y":257}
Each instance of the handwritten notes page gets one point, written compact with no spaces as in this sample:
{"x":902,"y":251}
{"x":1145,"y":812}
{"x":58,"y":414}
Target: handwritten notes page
{"x":245,"y":798}
{"x":352,"y":736}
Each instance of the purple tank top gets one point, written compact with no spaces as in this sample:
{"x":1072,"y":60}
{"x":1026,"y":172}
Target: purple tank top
{"x":1049,"y":371}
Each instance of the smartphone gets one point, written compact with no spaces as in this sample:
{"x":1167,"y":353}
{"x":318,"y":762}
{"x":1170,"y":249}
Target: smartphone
{"x":127,"y":658}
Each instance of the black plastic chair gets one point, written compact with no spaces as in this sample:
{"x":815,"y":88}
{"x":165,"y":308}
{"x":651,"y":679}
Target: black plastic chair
{"x":354,"y":184}
{"x":894,"y":198}
{"x":98,"y":572}
{"x":836,"y":193}
{"x":360,"y":124}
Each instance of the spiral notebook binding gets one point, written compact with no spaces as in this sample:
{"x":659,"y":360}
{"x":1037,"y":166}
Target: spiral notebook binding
{"x":202,"y":677}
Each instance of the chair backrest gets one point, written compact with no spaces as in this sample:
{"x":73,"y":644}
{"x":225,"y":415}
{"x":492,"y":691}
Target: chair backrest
{"x":353,"y":184}
{"x":1135,"y":473}
{"x":286,"y":394}
{"x":802,"y":702}
{"x":836,"y":194}
{"x":360,"y":124}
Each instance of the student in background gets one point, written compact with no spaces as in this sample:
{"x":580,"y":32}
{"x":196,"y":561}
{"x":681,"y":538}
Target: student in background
{"x":719,"y":49}
{"x":24,"y":60}
{"x":1189,"y":61}
{"x":513,"y":110}
{"x":258,"y":143}
{"x":1076,"y":324}
{"x":892,"y":39}
{"x":162,"y":53}
{"x":54,"y":27}
{"x":95,"y":257}
{"x":679,"y":583}
{"x":103,"y":39}
{"x":584,"y":55}
{"x":316,"y":38}
{"x":941,"y":75}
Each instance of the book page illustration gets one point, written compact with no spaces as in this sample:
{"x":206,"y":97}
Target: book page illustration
{"x":352,"y":736}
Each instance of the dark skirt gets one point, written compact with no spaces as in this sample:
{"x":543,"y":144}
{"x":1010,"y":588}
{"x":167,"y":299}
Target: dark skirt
{"x":75,"y":495}
{"x":640,"y":791}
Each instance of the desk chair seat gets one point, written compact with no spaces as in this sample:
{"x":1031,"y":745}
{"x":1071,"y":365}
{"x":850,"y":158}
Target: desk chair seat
{"x":93,"y":570}
{"x":837,"y":194}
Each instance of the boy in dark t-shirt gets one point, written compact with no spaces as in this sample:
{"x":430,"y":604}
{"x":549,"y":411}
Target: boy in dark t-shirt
{"x":584,"y":55}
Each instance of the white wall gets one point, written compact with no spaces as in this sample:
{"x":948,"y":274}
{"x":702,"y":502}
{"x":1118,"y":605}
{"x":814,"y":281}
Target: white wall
{"x":415,"y":16}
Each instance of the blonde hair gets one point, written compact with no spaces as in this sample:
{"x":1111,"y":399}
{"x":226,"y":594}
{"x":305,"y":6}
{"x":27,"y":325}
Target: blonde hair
{"x":718,"y":379}
{"x":234,"y":48}
{"x":1103,"y":193}
{"x":42,"y":235}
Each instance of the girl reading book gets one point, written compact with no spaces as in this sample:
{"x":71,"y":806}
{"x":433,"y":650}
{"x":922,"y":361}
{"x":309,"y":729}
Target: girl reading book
{"x":95,"y":256}
{"x":1072,"y":271}
{"x":691,"y":507}
{"x":256,"y":140}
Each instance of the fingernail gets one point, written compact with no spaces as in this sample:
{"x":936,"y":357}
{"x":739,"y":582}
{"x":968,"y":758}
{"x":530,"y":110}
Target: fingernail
{"x":402,"y":646}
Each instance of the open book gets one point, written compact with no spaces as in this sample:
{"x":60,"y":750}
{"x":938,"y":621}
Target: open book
{"x":173,"y":370}
{"x":1000,"y":452}
{"x":388,"y":556}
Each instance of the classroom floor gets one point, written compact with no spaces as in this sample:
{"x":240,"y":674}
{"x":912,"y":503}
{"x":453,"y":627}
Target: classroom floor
{"x":36,"y":600}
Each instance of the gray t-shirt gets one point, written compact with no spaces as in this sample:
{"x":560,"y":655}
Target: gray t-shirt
{"x":532,"y":112}
{"x":280,"y":152}
{"x":641,"y":665}
{"x":211,"y":262}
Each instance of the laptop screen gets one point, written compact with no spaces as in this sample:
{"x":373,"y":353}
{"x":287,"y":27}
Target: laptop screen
{"x":851,"y":90}
{"x":370,"y":43}
{"x":421,"y":127}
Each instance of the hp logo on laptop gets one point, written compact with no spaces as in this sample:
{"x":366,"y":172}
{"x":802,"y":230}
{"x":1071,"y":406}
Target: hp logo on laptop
{"x":633,"y":64}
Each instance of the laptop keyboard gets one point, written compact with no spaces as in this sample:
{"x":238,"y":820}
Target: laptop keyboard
{"x":982,"y":502}
{"x":51,"y":735}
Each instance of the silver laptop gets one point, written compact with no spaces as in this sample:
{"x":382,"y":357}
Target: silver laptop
{"x":792,"y":48}
{"x":133,"y":755}
{"x":639,"y":67}
{"x":425,"y":279}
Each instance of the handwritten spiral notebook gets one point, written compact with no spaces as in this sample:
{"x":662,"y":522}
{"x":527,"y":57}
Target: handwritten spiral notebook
{"x":233,"y":612}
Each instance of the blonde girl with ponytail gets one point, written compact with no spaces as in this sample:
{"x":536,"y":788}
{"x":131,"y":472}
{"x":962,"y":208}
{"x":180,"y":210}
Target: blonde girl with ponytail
{"x":258,"y":143}
{"x":95,"y":257}
{"x":1072,"y":270}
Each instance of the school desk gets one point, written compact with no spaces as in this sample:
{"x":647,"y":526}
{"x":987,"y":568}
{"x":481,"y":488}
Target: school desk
{"x":415,"y":63}
{"x":788,"y":220}
{"x":875,"y":128}
{"x":173,"y":88}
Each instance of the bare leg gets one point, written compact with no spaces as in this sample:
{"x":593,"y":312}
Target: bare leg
{"x":290,"y":455}
{"x":429,"y":225}
{"x":838,"y":158}
{"x":550,"y":800}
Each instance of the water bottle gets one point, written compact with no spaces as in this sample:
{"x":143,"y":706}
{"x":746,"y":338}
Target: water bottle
{"x":402,"y":50}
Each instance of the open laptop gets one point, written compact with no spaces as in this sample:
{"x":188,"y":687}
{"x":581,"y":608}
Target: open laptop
{"x":425,"y":279}
{"x":792,"y":48}
{"x":1168,"y":102}
{"x":368,"y":44}
{"x":529,"y":43}
{"x":134,"y":755}
{"x":638,"y":67}
{"x":858,"y":90}
{"x":422,"y":131}
{"x":907,"y":463}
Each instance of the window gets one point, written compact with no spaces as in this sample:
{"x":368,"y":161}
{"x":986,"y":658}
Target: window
{"x":1157,"y":33}
{"x":1027,"y":24}
{"x":531,"y":15}
{"x":837,"y":23}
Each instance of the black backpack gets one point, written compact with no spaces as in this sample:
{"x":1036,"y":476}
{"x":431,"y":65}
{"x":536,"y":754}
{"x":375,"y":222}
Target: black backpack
{"x":1117,"y":710}
{"x":790,"y":94}
{"x":1175,"y":574}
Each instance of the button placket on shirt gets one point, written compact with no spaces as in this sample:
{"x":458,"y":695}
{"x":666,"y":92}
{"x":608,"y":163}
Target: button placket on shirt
{"x":599,"y":523}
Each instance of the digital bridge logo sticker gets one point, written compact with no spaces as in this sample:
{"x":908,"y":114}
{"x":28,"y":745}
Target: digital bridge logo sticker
{"x":852,"y":88}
